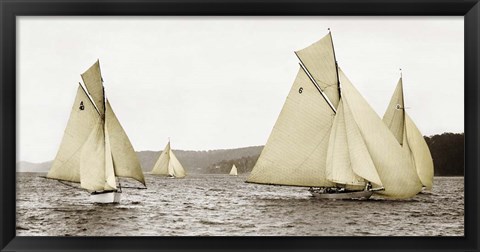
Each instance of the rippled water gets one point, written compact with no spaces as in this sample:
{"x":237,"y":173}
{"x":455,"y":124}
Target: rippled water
{"x":225,"y":205}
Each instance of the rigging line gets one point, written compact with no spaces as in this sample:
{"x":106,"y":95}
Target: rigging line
{"x":76,"y":187}
{"x":133,"y":187}
{"x":403,"y":101}
{"x":61,"y":182}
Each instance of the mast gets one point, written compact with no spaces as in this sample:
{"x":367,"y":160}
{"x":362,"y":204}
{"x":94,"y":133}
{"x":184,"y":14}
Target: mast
{"x":336,"y":65}
{"x":403,"y":101}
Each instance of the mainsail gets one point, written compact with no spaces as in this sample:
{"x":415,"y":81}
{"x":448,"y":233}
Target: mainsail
{"x":83,"y":119}
{"x":296,"y":150}
{"x":414,"y":144}
{"x":168,"y":164}
{"x":233,"y":171}
{"x":94,"y":148}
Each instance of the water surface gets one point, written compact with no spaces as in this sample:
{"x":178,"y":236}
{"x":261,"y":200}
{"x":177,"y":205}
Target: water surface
{"x":219,"y":205}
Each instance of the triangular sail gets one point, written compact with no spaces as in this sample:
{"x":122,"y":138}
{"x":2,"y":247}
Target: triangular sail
{"x":296,"y":150}
{"x":360,"y":158}
{"x":233,"y":171}
{"x":94,"y":83}
{"x":93,"y":175}
{"x":110,"y":180}
{"x":161,"y":166}
{"x":175,"y":166}
{"x":396,"y":171}
{"x":319,"y":59}
{"x":420,"y":152}
{"x":394,"y":116}
{"x":168,"y":164}
{"x":413,"y":142}
{"x":339,"y":168}
{"x":83,"y":118}
{"x":125,"y":159}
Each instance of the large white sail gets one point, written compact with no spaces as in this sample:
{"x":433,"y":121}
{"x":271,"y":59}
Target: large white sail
{"x":420,"y":152}
{"x":83,"y":118}
{"x":360,"y":158}
{"x":233,"y":171}
{"x":394,"y":116}
{"x":339,"y":168}
{"x":296,"y":151}
{"x":94,"y":83}
{"x":319,"y":59}
{"x":93,"y":165}
{"x":125,"y":159}
{"x":168,"y":164}
{"x":395,"y":169}
{"x":110,"y":180}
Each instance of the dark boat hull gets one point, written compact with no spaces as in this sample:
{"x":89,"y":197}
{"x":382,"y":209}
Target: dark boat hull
{"x":346,"y":195}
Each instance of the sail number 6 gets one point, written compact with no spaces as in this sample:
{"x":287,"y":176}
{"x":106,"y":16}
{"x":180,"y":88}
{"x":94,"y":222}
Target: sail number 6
{"x":300,"y":90}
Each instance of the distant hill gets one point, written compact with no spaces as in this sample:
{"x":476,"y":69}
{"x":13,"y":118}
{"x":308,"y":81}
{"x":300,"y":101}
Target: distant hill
{"x":193,"y":161}
{"x":244,"y":165}
{"x":447,"y":151}
{"x":24,"y":166}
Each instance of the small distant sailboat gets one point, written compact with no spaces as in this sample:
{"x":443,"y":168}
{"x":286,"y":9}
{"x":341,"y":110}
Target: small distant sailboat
{"x":168,"y":164}
{"x":409,"y":137}
{"x":95,"y":149}
{"x":328,"y":138}
{"x":233,"y":171}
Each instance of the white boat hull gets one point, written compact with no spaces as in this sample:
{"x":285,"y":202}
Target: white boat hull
{"x":105,"y":198}
{"x":347,"y":195}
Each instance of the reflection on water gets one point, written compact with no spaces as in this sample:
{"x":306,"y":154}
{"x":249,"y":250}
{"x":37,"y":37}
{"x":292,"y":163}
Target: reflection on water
{"x":218,"y":205}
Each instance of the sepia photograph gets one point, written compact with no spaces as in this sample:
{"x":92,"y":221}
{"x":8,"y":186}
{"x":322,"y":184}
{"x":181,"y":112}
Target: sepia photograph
{"x":240,"y":126}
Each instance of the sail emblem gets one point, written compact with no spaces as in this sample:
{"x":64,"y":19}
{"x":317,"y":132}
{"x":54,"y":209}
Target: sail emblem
{"x":300,"y":90}
{"x":398,"y":106}
{"x":81,"y":105}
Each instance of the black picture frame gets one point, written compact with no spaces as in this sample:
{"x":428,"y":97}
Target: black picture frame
{"x":10,"y":9}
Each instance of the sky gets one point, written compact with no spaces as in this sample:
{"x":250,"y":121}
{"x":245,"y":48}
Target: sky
{"x":220,"y":82}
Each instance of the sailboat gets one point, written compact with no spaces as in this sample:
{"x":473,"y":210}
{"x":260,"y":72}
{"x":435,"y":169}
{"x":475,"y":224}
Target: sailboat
{"x":168,"y":164}
{"x":409,"y":137}
{"x":327,"y":137}
{"x":95,"y":149}
{"x":233,"y":171}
